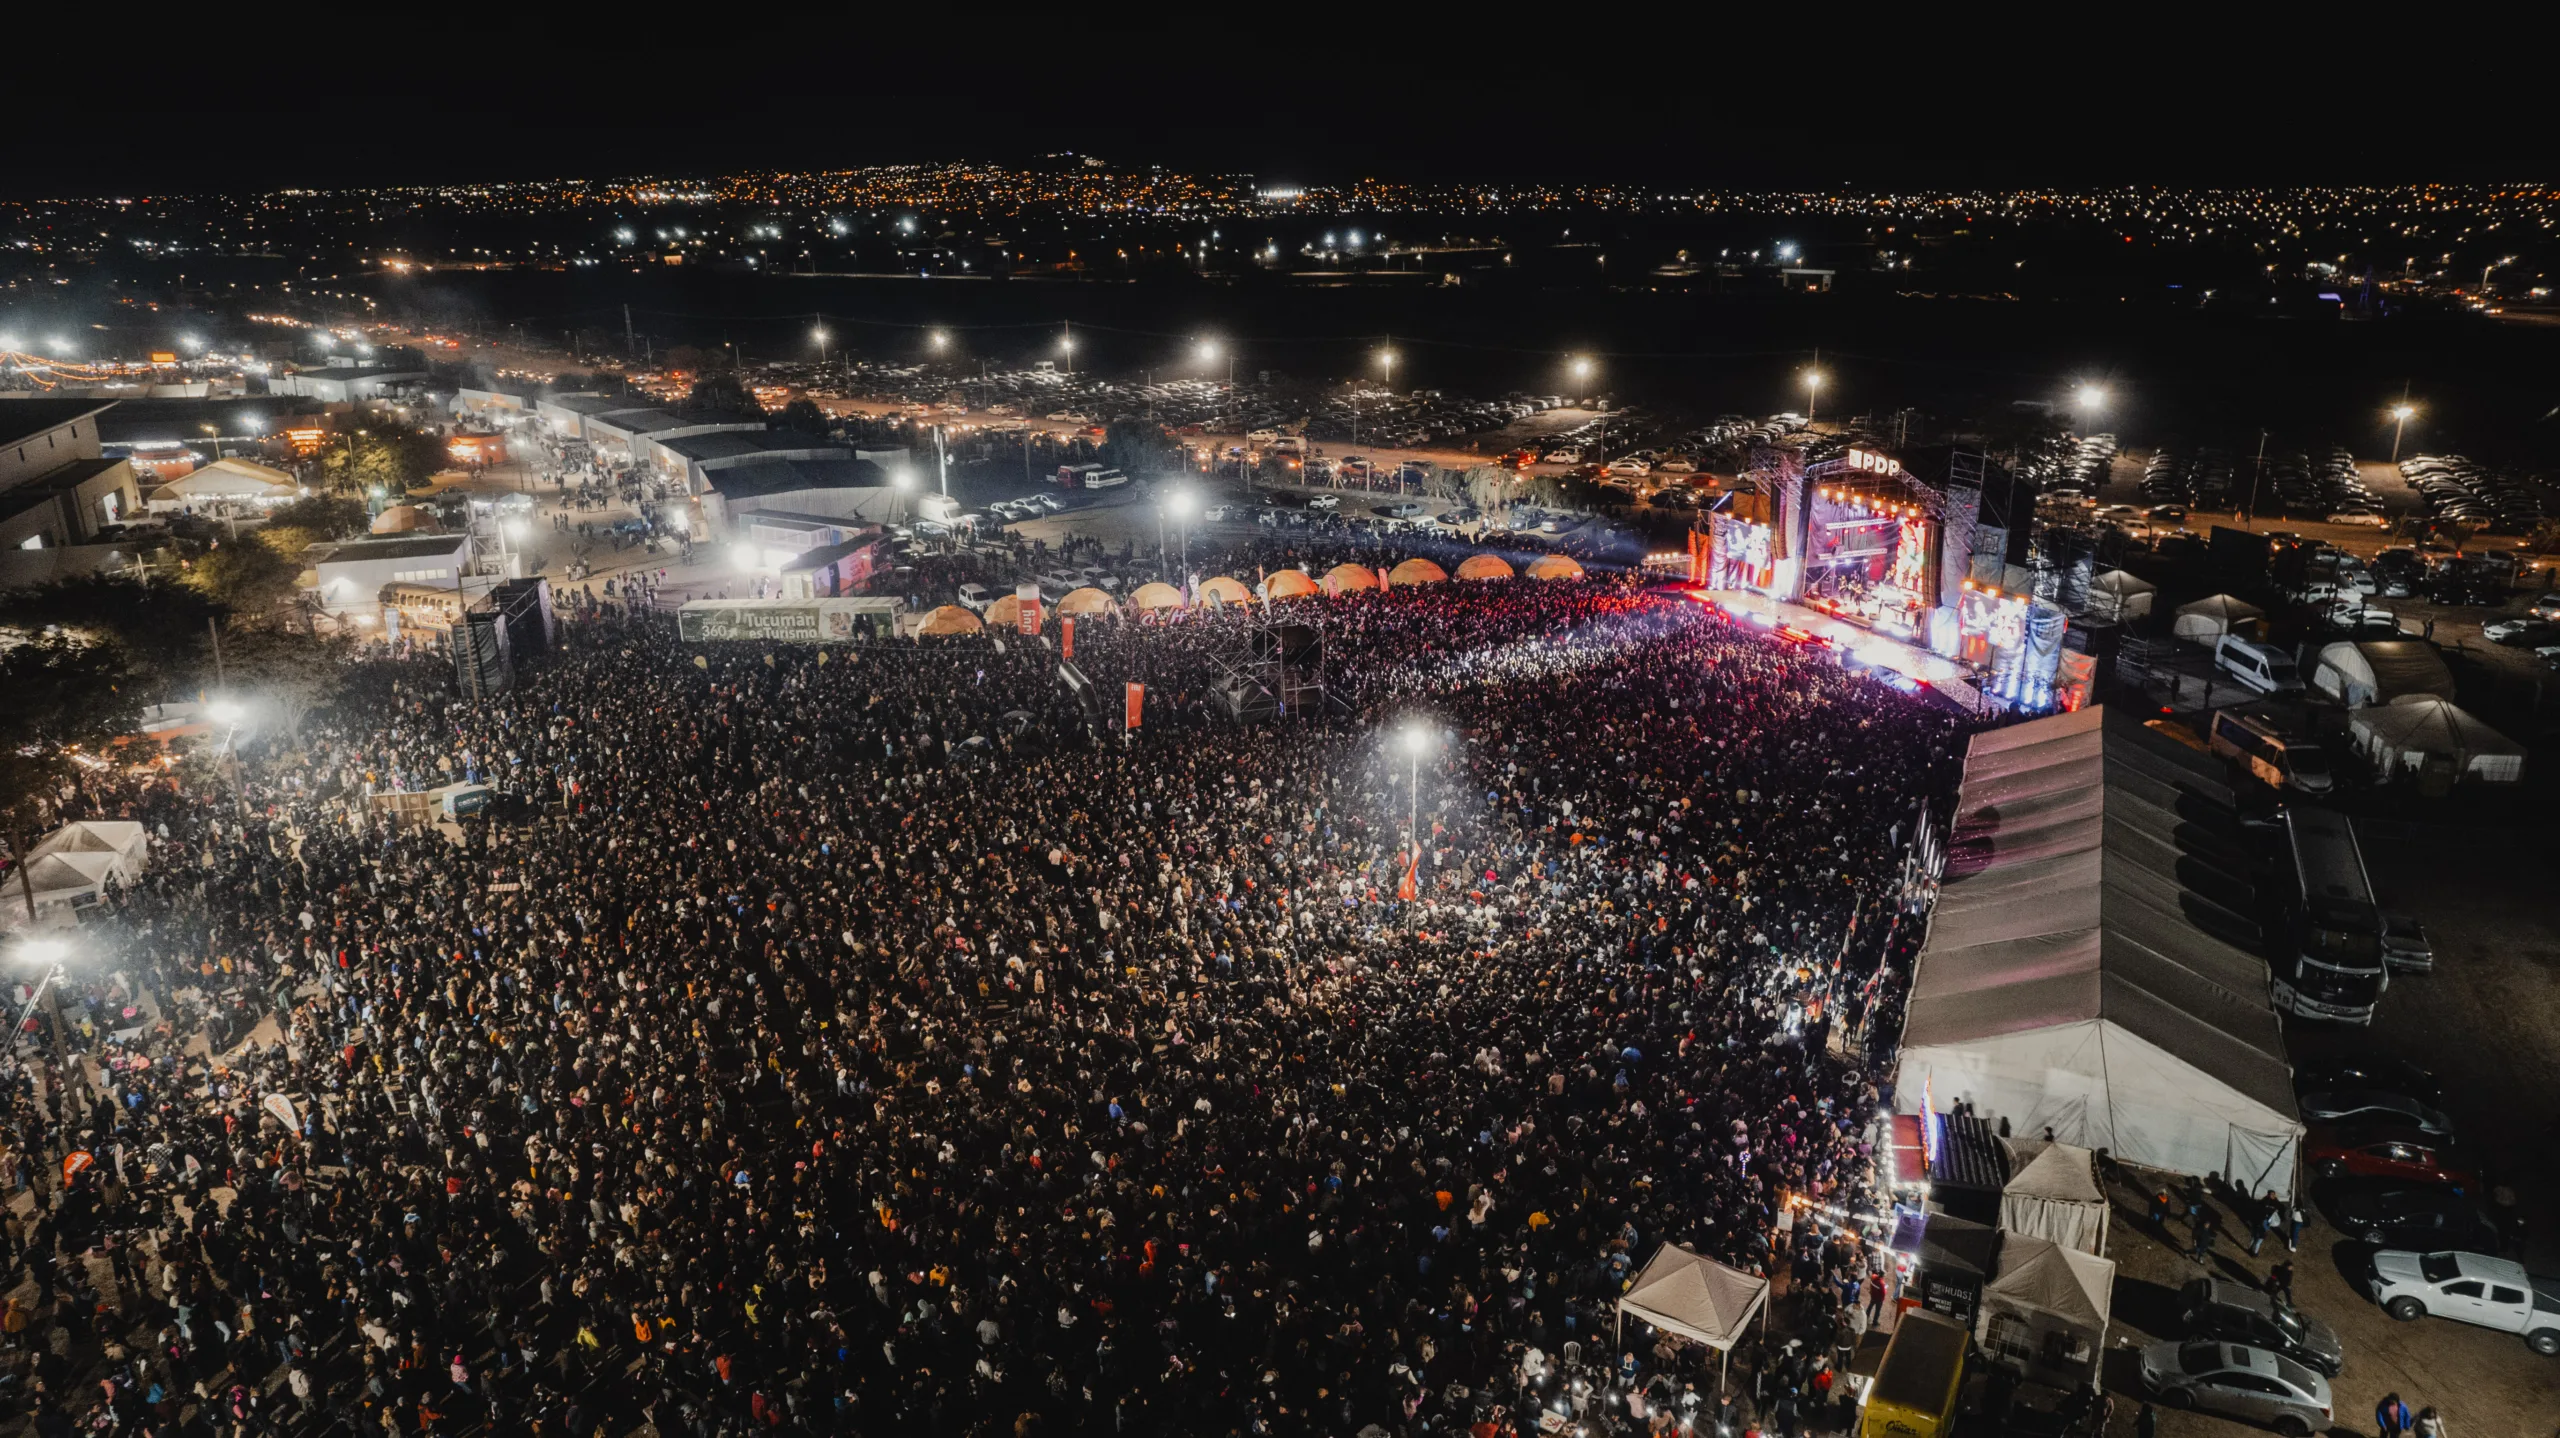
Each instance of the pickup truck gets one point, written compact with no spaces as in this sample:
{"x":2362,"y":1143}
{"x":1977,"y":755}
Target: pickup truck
{"x":2473,"y":1287}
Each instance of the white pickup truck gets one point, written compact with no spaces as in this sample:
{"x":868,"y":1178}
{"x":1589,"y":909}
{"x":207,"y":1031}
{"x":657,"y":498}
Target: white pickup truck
{"x":2473,"y":1287}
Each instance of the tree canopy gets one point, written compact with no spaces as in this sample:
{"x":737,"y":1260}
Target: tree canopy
{"x":247,"y":576}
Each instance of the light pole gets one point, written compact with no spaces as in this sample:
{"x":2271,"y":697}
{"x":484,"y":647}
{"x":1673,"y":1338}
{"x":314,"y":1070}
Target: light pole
{"x":902,"y":479}
{"x":1812,"y":394}
{"x":2492,"y":265}
{"x":2400,"y":414}
{"x":2092,"y":401}
{"x":819,"y":333}
{"x":1179,"y":501}
{"x":1416,"y":740}
{"x":50,"y":954}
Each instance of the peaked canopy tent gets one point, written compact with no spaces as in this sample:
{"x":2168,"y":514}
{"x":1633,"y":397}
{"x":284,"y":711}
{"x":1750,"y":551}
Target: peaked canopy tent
{"x":2119,"y":595}
{"x":2379,"y":671}
{"x":73,"y":865}
{"x":2072,"y":977}
{"x":2053,"y":1193}
{"x":2403,"y":738}
{"x":1684,"y":1292}
{"x":2045,"y":1310}
{"x":231,"y":478}
{"x":2216,"y":615}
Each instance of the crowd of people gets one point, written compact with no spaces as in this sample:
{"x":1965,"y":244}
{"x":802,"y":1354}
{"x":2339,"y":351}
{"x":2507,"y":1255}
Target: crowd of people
{"x":863,"y":1039}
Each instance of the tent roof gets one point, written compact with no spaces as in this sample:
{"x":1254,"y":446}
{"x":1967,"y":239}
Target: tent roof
{"x":2121,"y":582}
{"x":1350,"y":576}
{"x":111,"y":836}
{"x":2433,"y":725}
{"x":2054,"y":1278}
{"x":230,"y":476}
{"x":1225,"y":590}
{"x":1288,"y":584}
{"x":2068,"y":901}
{"x":950,"y":619}
{"x":1555,"y":566}
{"x":2061,"y":1172}
{"x":1157,"y":596}
{"x":2392,"y":667}
{"x":1694,"y":1296}
{"x":1416,"y":571}
{"x":1484,"y":566}
{"x":2223,"y":606}
{"x":1087,"y":600}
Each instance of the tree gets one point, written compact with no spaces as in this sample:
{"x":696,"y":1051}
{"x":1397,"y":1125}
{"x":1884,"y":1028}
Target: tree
{"x":282,"y":676}
{"x":725,"y":393}
{"x":801,"y":416}
{"x":1489,"y":490}
{"x":294,"y":527}
{"x":398,"y":461}
{"x":160,"y":627}
{"x":58,"y":694}
{"x":1139,"y":446}
{"x":246,"y":576}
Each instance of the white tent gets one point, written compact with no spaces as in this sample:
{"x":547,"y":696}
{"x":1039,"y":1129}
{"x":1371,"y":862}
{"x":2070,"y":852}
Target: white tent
{"x":223,"y":479}
{"x":73,"y":864}
{"x":2045,"y":1310}
{"x":2401,"y":738}
{"x":2379,"y":671}
{"x":2119,"y":595}
{"x":2053,"y":1193}
{"x":2065,"y":981}
{"x":2216,"y":615}
{"x":1686,"y":1293}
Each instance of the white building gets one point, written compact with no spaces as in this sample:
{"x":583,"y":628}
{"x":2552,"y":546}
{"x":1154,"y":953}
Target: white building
{"x":346,"y":384}
{"x":348,"y":578}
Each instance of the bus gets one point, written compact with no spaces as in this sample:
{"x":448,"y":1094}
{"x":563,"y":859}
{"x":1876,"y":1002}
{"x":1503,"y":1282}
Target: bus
{"x":2276,"y":761}
{"x":2336,"y":972}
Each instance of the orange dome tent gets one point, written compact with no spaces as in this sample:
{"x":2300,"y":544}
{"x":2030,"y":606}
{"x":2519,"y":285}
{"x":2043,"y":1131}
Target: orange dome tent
{"x":1484,"y":566}
{"x":1087,"y":600}
{"x":1005,"y":613}
{"x":1417,"y":571}
{"x":1223,"y":590}
{"x":1347,"y":577}
{"x":1288,"y":584}
{"x":949,"y":619}
{"x":1157,"y":596}
{"x":1554,"y":566}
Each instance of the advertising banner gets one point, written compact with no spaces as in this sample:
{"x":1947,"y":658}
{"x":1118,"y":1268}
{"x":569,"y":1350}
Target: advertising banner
{"x":1028,"y":596}
{"x":1134,"y":701}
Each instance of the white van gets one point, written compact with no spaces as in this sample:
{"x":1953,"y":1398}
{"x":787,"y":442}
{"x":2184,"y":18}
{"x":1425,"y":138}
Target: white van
{"x":2257,"y":666}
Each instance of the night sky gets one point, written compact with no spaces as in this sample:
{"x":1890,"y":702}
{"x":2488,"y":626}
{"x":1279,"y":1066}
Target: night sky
{"x":1809,"y":106}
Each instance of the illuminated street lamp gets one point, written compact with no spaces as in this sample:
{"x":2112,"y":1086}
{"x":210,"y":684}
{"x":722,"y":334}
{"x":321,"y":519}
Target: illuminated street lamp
{"x":1178,"y":503}
{"x":50,"y":956}
{"x":1417,"y":742}
{"x":939,"y":340}
{"x":2400,"y":416}
{"x":1812,"y":393}
{"x":819,"y":333}
{"x":2093,"y":399}
{"x":2497,"y":264}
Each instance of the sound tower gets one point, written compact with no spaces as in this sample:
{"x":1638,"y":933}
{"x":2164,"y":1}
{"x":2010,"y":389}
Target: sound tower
{"x":483,"y":665}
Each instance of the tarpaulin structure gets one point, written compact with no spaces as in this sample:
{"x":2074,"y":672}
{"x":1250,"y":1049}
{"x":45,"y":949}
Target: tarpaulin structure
{"x":2044,"y":1312}
{"x":1484,"y":566}
{"x":2403,"y":738}
{"x":1005,"y":613}
{"x":2119,"y":595}
{"x":1343,"y":578}
{"x":2053,"y":1193}
{"x":2072,"y":977}
{"x":1288,"y":584}
{"x":73,"y":865}
{"x":1223,"y":590}
{"x":948,"y":620}
{"x":1088,"y":600}
{"x":2216,"y":615}
{"x":1156,"y":596}
{"x":1555,"y":566}
{"x":2379,"y":671}
{"x":1417,"y":571}
{"x":1684,"y":1292}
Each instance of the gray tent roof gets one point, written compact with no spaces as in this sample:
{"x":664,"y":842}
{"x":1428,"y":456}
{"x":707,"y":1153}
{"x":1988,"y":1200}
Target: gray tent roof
{"x":2070,"y":898}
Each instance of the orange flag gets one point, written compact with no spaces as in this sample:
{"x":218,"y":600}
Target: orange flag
{"x":1410,"y":886}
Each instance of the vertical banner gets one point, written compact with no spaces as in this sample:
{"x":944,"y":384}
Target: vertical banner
{"x":1028,"y":601}
{"x":1134,"y":702}
{"x":1067,"y":636}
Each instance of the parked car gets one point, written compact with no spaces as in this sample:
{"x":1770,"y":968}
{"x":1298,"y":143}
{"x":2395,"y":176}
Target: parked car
{"x":2365,"y":1070}
{"x":2472,"y":1288}
{"x":976,"y":597}
{"x":1216,"y":513}
{"x":2386,"y":1151}
{"x":2405,"y":946}
{"x":2239,"y":1382}
{"x":1325,"y":502}
{"x":2517,"y":631}
{"x":2238,"y":1313}
{"x":2416,"y":1216}
{"x":2374,"y":1106}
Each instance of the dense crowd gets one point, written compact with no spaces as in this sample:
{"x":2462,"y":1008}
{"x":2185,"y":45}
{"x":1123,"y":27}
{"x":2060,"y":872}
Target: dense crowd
{"x":852,"y":1041}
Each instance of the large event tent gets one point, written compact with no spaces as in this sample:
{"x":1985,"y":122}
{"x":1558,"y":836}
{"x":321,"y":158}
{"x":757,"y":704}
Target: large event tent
{"x":1555,"y":566}
{"x":2402,"y":738}
{"x":1417,"y":571}
{"x":947,"y":620}
{"x":1289,"y":584}
{"x":2215,"y":615}
{"x":1005,"y":613}
{"x":2118,"y":595}
{"x":2069,"y":980}
{"x":1157,"y":596}
{"x":73,"y":864}
{"x":2358,"y":672}
{"x":1687,"y":1293}
{"x":2044,"y":1313}
{"x":1088,"y":600}
{"x":1222,"y":590}
{"x":1345,"y":577}
{"x":1484,"y":566}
